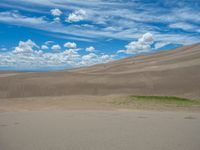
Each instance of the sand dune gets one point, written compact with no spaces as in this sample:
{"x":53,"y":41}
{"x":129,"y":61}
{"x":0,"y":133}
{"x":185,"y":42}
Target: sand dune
{"x":174,"y":72}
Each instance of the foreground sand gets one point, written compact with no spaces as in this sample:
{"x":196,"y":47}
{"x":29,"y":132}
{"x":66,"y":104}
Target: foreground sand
{"x":96,"y":123}
{"x":99,"y":130}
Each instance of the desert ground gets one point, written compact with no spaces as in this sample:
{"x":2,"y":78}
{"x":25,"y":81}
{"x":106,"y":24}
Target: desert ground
{"x":99,"y":130}
{"x":99,"y":107}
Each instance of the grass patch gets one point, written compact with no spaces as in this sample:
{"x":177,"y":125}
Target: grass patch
{"x":162,"y":100}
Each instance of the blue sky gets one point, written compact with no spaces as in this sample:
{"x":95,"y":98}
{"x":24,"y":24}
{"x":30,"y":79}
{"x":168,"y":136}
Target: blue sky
{"x":50,"y":34}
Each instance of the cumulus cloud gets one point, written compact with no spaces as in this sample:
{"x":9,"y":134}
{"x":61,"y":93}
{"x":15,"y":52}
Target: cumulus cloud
{"x":147,"y":37}
{"x":71,"y":53}
{"x":25,"y":47}
{"x":56,"y":12}
{"x":44,"y":47}
{"x":56,"y":47}
{"x":143,"y":44}
{"x":90,"y":49}
{"x":92,"y":58}
{"x":76,"y":16}
{"x":28,"y":56}
{"x":106,"y":58}
{"x":71,"y":45}
{"x":89,"y":56}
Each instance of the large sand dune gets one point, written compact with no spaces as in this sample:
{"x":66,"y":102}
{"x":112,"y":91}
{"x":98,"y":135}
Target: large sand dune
{"x":174,"y":72}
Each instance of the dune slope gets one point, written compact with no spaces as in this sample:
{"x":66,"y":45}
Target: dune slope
{"x":175,"y":72}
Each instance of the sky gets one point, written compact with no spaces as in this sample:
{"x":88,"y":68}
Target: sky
{"x":43,"y":35}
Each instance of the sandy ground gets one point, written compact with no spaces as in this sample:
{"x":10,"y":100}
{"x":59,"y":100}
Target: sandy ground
{"x":85,"y":102}
{"x":99,"y":130}
{"x":2,"y":75}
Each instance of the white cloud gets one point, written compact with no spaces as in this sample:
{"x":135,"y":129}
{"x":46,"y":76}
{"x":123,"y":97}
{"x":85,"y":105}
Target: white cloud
{"x":67,"y":37}
{"x":189,"y":14}
{"x":89,"y":56}
{"x":91,"y":59}
{"x":71,"y":53}
{"x":161,"y":44}
{"x":76,"y":16}
{"x":71,"y":45}
{"x":25,"y":47}
{"x":128,"y":29}
{"x":28,"y":56}
{"x":44,"y":47}
{"x":56,"y":12}
{"x":48,"y":42}
{"x":132,"y":21}
{"x":90,"y":49}
{"x":143,"y":44}
{"x":106,"y":58}
{"x":147,"y":37}
{"x":56,"y":47}
{"x":184,"y":26}
{"x":14,"y":17}
{"x":56,"y":20}
{"x":118,"y":21}
{"x":181,"y":39}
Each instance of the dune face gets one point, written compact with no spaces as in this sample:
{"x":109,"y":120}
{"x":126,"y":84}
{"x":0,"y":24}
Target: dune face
{"x":175,"y":72}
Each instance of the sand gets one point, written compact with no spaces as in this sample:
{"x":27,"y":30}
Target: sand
{"x":86,"y":102}
{"x":174,"y":73}
{"x":74,"y":109}
{"x":99,"y":130}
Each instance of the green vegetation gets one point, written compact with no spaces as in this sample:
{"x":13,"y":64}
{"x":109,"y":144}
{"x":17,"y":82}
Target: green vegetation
{"x":163,"y":100}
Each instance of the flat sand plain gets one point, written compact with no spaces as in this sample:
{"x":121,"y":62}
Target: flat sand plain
{"x":96,"y":123}
{"x":99,"y":130}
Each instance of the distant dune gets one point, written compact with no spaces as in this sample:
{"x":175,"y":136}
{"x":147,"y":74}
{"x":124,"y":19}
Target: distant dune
{"x":175,"y":72}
